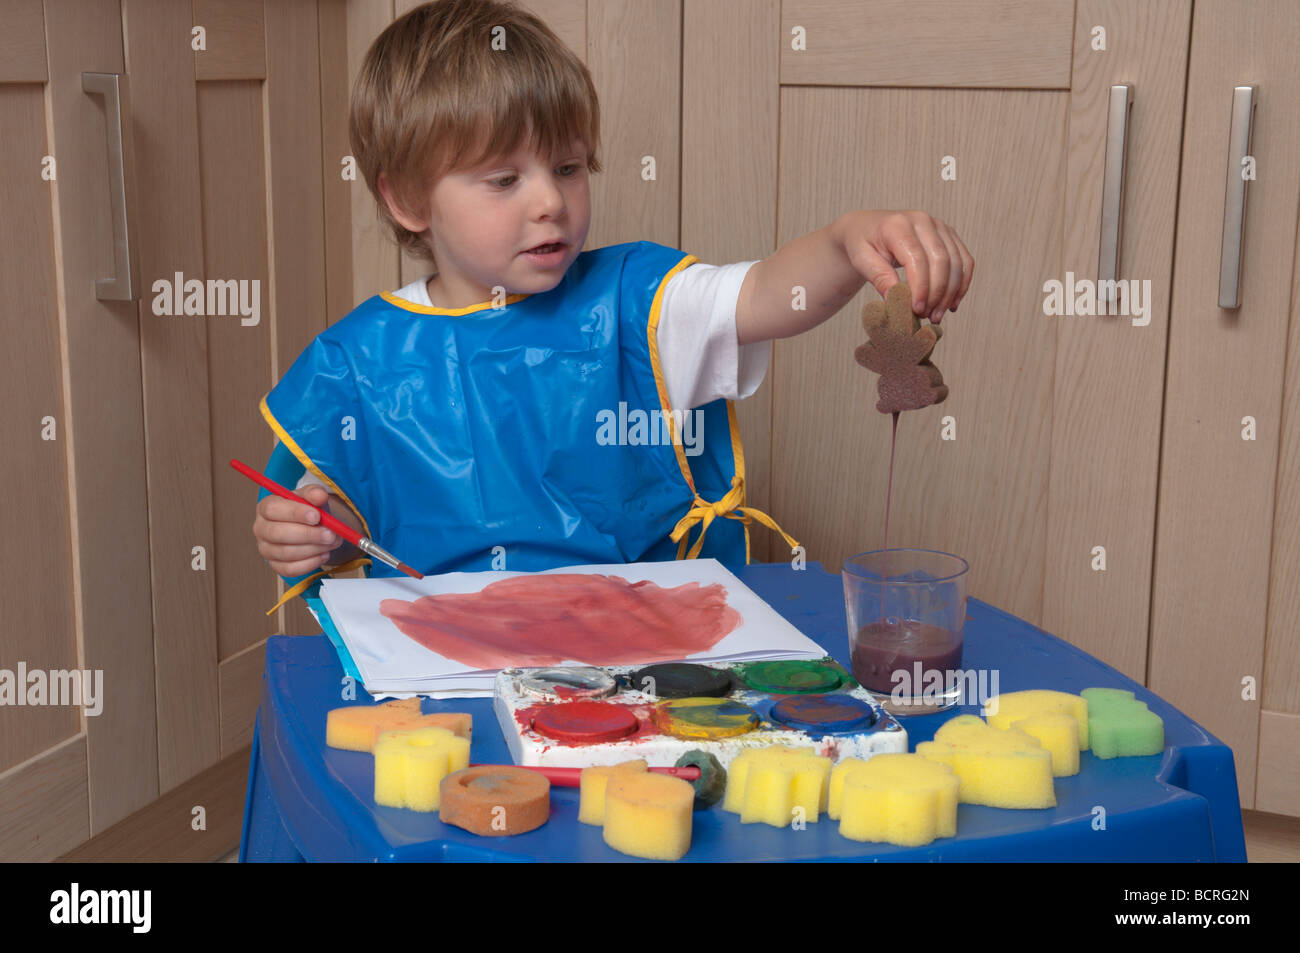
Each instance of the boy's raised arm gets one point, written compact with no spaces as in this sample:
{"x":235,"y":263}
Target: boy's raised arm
{"x":812,"y":277}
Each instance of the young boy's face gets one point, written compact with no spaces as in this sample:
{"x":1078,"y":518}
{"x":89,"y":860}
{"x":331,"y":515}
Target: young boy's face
{"x":483,"y":221}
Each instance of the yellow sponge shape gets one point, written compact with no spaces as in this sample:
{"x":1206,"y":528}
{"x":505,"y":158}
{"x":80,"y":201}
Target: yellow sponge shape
{"x":1003,"y":711}
{"x":410,"y":766}
{"x":648,"y":814}
{"x":840,"y":775}
{"x":767,"y":785}
{"x":1000,"y":768}
{"x":902,"y":799}
{"x":1059,"y":734}
{"x":592,"y":785}
{"x":358,"y":727}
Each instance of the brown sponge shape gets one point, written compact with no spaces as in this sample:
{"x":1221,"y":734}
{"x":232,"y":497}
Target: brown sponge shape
{"x":495,"y":800}
{"x":899,"y":352}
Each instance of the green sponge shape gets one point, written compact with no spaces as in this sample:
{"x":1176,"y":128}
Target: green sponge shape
{"x":1120,"y":726}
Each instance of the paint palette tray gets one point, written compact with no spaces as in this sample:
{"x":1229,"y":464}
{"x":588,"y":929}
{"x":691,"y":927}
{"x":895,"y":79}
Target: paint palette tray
{"x":581,"y":716}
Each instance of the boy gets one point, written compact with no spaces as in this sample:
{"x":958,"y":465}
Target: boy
{"x":531,"y":405}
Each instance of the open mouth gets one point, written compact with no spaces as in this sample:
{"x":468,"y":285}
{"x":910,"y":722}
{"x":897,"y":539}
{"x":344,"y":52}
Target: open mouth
{"x":546,"y":249}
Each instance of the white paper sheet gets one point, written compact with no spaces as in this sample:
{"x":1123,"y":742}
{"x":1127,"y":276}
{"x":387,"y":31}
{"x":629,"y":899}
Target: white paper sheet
{"x":390,"y":661}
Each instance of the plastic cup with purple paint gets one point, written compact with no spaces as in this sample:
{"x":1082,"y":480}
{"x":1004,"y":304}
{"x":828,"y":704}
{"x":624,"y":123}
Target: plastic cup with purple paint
{"x":906,"y":614}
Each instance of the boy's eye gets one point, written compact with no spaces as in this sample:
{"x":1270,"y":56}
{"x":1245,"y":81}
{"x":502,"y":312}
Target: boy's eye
{"x":568,"y":171}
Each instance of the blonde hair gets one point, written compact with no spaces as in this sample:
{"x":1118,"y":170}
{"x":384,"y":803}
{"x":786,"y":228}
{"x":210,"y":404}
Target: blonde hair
{"x":435,"y":95}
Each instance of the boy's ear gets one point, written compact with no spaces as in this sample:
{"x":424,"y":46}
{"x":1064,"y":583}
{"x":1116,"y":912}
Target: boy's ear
{"x":403,"y":215}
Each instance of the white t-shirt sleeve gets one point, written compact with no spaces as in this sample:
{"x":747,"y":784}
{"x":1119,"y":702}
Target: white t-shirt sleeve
{"x":698,"y":351}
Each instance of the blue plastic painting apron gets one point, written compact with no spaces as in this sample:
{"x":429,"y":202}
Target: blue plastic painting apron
{"x":529,"y":436}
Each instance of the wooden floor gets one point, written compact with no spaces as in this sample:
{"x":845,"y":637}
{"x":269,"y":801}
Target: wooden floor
{"x":1270,"y":839}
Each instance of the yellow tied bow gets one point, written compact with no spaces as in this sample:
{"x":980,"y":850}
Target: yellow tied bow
{"x":703,"y":511}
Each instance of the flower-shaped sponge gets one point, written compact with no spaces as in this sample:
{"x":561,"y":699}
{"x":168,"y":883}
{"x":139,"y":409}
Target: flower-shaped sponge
{"x":1121,"y":726}
{"x":767,"y":784}
{"x":1058,"y":720}
{"x":410,"y":765}
{"x":902,"y":799}
{"x":1000,"y":768}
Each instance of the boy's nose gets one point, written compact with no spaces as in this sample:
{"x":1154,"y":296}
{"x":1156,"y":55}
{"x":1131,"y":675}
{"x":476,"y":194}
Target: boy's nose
{"x":548,"y":200}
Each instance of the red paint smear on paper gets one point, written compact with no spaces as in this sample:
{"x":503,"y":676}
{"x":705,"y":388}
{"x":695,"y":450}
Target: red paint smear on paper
{"x":582,"y":617}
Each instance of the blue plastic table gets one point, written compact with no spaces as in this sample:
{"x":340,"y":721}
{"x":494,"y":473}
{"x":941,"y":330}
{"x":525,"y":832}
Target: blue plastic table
{"x":309,"y":802}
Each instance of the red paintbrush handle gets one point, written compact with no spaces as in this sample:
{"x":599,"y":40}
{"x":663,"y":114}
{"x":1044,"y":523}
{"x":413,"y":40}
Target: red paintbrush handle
{"x":326,"y":520}
{"x":571,"y":777}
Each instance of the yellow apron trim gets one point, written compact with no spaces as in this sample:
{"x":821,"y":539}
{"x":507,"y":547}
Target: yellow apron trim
{"x":302,"y":584}
{"x":428,"y":309}
{"x":661,"y":385}
{"x":306,"y":462}
{"x":702,"y":511}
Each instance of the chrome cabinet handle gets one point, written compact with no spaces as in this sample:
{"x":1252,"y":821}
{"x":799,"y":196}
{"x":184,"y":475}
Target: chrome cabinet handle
{"x":117,"y":110}
{"x":1112,"y":189}
{"x":1240,"y":127}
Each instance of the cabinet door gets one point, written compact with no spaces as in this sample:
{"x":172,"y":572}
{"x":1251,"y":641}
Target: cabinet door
{"x":125,"y":412}
{"x":1224,"y":393}
{"x":76,"y":570}
{"x":993,"y":118}
{"x":1109,"y":369}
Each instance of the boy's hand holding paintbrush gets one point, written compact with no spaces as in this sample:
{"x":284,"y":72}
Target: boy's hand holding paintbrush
{"x":315,"y":529}
{"x":291,"y":539}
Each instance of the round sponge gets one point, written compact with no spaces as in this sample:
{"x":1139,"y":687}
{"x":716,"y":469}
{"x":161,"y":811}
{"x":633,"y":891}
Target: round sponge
{"x":495,"y":800}
{"x":712,"y":782}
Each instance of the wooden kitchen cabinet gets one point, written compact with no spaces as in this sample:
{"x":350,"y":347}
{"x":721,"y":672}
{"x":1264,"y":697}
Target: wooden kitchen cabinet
{"x":1225,"y":613}
{"x":1056,"y":418}
{"x":142,"y":566}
